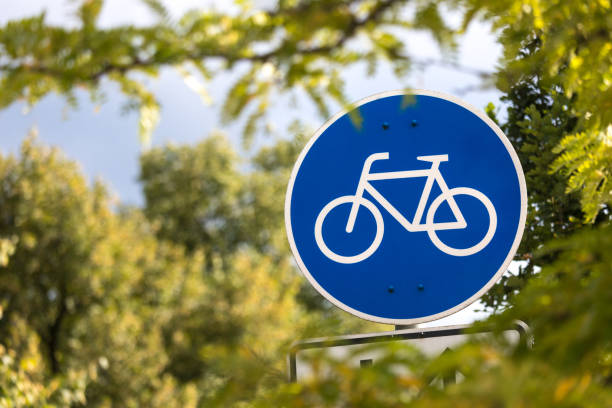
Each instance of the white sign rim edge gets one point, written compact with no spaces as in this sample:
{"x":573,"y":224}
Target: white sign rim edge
{"x":485,"y":288}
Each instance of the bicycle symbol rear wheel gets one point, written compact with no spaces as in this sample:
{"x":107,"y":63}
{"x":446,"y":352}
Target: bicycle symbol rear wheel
{"x":483,"y":242}
{"x":350,"y":199}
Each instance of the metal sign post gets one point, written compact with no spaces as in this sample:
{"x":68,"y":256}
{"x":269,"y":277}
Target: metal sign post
{"x":431,"y":341}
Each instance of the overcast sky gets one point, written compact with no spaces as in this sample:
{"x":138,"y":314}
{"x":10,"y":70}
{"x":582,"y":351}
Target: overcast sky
{"x":106,"y":143}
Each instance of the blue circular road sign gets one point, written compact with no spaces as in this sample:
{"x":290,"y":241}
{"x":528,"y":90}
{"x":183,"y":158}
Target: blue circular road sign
{"x":407,"y":210}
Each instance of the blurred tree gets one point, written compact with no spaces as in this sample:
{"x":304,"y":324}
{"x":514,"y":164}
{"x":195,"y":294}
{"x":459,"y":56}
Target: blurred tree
{"x":55,"y":222}
{"x":538,"y":117}
{"x":264,"y":192}
{"x":297,"y":45}
{"x":120,"y":340}
{"x":84,"y":288}
{"x":193,"y":195}
{"x":574,"y":52}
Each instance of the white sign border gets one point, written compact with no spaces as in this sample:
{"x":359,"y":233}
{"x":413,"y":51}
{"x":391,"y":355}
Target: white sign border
{"x":485,"y":288}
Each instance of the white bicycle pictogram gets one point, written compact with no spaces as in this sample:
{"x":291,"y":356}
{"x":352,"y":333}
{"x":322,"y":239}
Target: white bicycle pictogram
{"x":432,"y":174}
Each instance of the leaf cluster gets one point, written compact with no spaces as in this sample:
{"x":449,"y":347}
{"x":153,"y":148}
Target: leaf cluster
{"x":297,"y":45}
{"x":574,"y":53}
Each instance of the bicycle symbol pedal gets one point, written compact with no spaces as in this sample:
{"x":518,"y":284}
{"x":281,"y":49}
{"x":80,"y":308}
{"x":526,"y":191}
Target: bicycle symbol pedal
{"x":432,"y":175}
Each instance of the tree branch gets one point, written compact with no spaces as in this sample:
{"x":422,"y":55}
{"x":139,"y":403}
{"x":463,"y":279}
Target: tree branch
{"x":54,"y":334}
{"x":350,"y":31}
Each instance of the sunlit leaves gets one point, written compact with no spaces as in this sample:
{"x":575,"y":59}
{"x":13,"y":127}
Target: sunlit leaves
{"x":7,"y":248}
{"x":89,"y":12}
{"x":587,"y":159}
{"x":305,"y":45}
{"x":148,"y":107}
{"x":20,"y":387}
{"x":574,"y":51}
{"x":193,"y":195}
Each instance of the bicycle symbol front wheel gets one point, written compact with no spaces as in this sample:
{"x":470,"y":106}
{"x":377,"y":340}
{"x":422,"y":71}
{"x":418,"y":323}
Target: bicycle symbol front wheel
{"x":350,"y":199}
{"x":483,"y":242}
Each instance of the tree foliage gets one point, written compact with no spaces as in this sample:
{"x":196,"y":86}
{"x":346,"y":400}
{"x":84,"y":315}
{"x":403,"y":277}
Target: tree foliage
{"x":297,"y":45}
{"x":538,"y":118}
{"x":84,"y":291}
{"x":55,"y":223}
{"x":19,"y":387}
{"x":543,"y":116}
{"x":574,"y":52}
{"x":193,"y":195}
{"x":193,"y":299}
{"x":118,"y":309}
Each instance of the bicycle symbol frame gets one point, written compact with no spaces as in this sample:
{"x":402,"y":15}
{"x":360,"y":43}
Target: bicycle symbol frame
{"x":432,"y":174}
